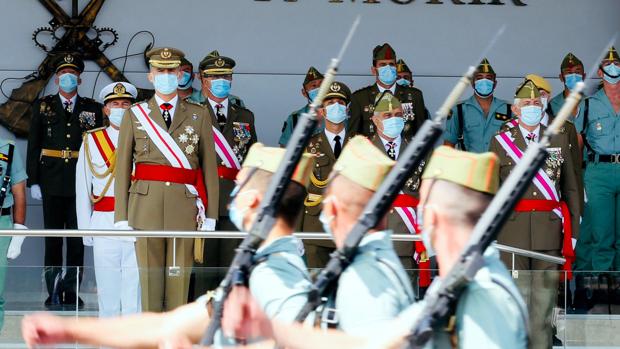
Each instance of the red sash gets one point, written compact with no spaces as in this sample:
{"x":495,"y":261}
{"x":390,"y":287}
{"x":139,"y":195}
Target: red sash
{"x":106,"y":204}
{"x":547,"y":206}
{"x":163,"y":173}
{"x":227,"y":173}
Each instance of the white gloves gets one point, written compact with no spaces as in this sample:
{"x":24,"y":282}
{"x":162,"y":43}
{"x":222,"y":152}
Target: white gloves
{"x":88,"y":241}
{"x":35,"y":192}
{"x":15,"y":247}
{"x":122,"y":225}
{"x":208,"y":225}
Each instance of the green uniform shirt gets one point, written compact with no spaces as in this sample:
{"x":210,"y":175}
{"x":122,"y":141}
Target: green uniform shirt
{"x":374,"y":289}
{"x":478,"y":129}
{"x":18,"y":172}
{"x":291,"y":122}
{"x":602,"y":131}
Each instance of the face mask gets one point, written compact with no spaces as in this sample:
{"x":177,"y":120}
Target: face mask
{"x":165,"y":83}
{"x":393,"y":126}
{"x":483,"y":87}
{"x":426,"y":240}
{"x":186,"y":81}
{"x":545,"y":102}
{"x":116,"y":116}
{"x":611,"y":73}
{"x":326,"y":221}
{"x":571,"y":80}
{"x":312,"y":94}
{"x":336,"y":113}
{"x":235,"y":214}
{"x":531,"y":115}
{"x":403,"y":82}
{"x":220,"y":88}
{"x":68,"y":82}
{"x":387,"y":74}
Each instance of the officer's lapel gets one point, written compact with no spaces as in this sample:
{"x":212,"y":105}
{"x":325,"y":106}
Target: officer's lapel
{"x":230,"y":118}
{"x":60,"y":110}
{"x":77,"y":108}
{"x":326,"y":147}
{"x":376,"y":140}
{"x":180,"y":115}
{"x":155,"y":113}
{"x":212,"y":115}
{"x":517,"y":137}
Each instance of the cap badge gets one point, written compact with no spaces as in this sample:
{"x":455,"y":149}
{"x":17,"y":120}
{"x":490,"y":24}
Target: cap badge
{"x":219,"y":63}
{"x":119,"y":89}
{"x":334,"y":87}
{"x":165,"y":54}
{"x":68,"y":59}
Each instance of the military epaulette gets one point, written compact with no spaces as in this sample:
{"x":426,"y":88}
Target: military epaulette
{"x":48,"y":98}
{"x":363,"y":89}
{"x":190,"y":101}
{"x":96,"y":129}
{"x":502,"y":117}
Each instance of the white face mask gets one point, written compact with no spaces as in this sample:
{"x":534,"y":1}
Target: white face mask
{"x":116,"y":116}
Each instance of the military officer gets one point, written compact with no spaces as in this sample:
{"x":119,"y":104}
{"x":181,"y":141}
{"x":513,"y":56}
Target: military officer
{"x":473,"y":122}
{"x":116,"y":266}
{"x":599,"y":127}
{"x":374,"y":288}
{"x":12,"y":202}
{"x":405,"y":75}
{"x":199,"y":95}
{"x":309,"y":89}
{"x":170,"y":142}
{"x":547,"y":217}
{"x":326,"y":147}
{"x":279,"y":281}
{"x":385,"y":72}
{"x":54,"y":140}
{"x":401,"y":219}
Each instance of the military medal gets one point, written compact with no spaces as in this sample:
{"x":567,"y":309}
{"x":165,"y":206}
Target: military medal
{"x":87,"y":118}
{"x":194,"y":117}
{"x":553,"y":164}
{"x":408,"y":113}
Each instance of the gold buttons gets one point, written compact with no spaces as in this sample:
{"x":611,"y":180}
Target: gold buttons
{"x":535,"y":193}
{"x":68,"y":136}
{"x":68,"y":124}
{"x":167,"y":184}
{"x":66,"y":160}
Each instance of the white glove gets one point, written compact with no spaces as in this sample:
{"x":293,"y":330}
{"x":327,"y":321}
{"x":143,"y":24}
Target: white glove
{"x":208,"y":225}
{"x":122,"y":225}
{"x":88,"y":241}
{"x":35,"y":192}
{"x":15,"y":247}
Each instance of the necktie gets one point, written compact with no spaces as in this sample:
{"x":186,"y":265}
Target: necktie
{"x":221,"y":118}
{"x":337,"y":147}
{"x":166,"y":107}
{"x":531,"y":137}
{"x":391,"y":150}
{"x":68,"y":106}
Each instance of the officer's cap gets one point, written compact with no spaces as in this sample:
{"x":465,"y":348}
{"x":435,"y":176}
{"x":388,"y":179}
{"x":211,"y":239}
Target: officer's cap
{"x":401,"y":67}
{"x":117,"y":90}
{"x":386,"y":102}
{"x":338,"y":90}
{"x":527,"y":90}
{"x":312,"y":75}
{"x":165,"y":57}
{"x":485,"y":67}
{"x":540,"y":82}
{"x":570,"y":61}
{"x":69,"y":60}
{"x":214,"y":64}
{"x":384,"y":51}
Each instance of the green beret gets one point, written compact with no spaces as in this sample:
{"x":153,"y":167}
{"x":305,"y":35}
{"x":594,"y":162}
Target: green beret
{"x":384,"y":51}
{"x":485,"y":67}
{"x":401,"y":67}
{"x":338,"y":90}
{"x":165,"y":57}
{"x":69,"y":60}
{"x":214,"y":64}
{"x":527,"y":90}
{"x":312,"y":75}
{"x":386,"y":102}
{"x":569,"y":61}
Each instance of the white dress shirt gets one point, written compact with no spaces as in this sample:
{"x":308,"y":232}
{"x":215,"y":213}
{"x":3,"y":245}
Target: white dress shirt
{"x":330,"y":137}
{"x":224,"y":108}
{"x":525,"y":133}
{"x":64,"y":100}
{"x":173,"y":101}
{"x":392,"y":89}
{"x":397,"y":141}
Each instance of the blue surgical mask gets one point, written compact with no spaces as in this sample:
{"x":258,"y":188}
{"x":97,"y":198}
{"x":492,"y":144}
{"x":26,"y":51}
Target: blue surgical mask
{"x":403,"y":82}
{"x":326,"y":221}
{"x":68,"y":82}
{"x":611,"y":73}
{"x":220,"y":88}
{"x":393,"y":126}
{"x":312,"y":94}
{"x":336,"y":113}
{"x":387,"y":74}
{"x":483,"y":87}
{"x":531,"y":115}
{"x":165,"y":83}
{"x":116,"y":116}
{"x":236,"y":215}
{"x":186,"y":81}
{"x":571,"y":80}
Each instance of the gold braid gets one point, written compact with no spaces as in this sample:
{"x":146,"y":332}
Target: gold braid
{"x":108,"y":172}
{"x":317,"y":182}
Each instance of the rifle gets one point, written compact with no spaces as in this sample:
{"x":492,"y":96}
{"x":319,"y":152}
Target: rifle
{"x":440,"y":300}
{"x":421,"y":144}
{"x":15,"y":113}
{"x":240,"y":269}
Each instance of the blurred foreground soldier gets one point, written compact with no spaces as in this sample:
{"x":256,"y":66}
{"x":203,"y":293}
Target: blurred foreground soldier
{"x":116,"y":266}
{"x":547,"y":217}
{"x":326,"y":146}
{"x":600,"y":127}
{"x":58,"y":122}
{"x":490,"y":313}
{"x":174,"y":187}
{"x":363,"y":100}
{"x":12,"y":201}
{"x":374,"y":288}
{"x":473,"y":122}
{"x":402,"y":219}
{"x":405,"y":75}
{"x":309,"y":89}
{"x":279,"y":280}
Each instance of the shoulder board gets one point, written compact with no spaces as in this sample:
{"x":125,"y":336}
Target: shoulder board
{"x":136,"y":103}
{"x":48,"y":98}
{"x":239,"y":108}
{"x":363,"y":89}
{"x":502,"y":117}
{"x":96,"y":129}
{"x":192,"y":102}
{"x":88,"y":99}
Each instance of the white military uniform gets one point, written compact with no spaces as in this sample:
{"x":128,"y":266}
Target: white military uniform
{"x":116,"y":265}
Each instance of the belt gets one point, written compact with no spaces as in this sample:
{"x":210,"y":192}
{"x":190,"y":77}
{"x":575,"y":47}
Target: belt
{"x":6,"y":211}
{"x":106,"y":204}
{"x":163,"y":173}
{"x":613,"y":158}
{"x":227,"y":172}
{"x":404,"y":200}
{"x":549,"y":205}
{"x":63,"y":154}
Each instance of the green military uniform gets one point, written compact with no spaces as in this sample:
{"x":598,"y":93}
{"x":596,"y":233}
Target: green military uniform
{"x":149,"y":203}
{"x":17,"y":175}
{"x":54,"y":141}
{"x":363,"y":102}
{"x":538,"y":229}
{"x":317,"y":251}
{"x":291,"y":121}
{"x":198,"y":97}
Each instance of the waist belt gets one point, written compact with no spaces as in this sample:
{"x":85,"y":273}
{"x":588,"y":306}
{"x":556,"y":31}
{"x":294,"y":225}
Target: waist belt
{"x":613,"y":158}
{"x":404,"y":200}
{"x":5,"y":211}
{"x":227,"y":172}
{"x":62,"y":154}
{"x":106,"y":204}
{"x":163,"y":173}
{"x":547,"y":206}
